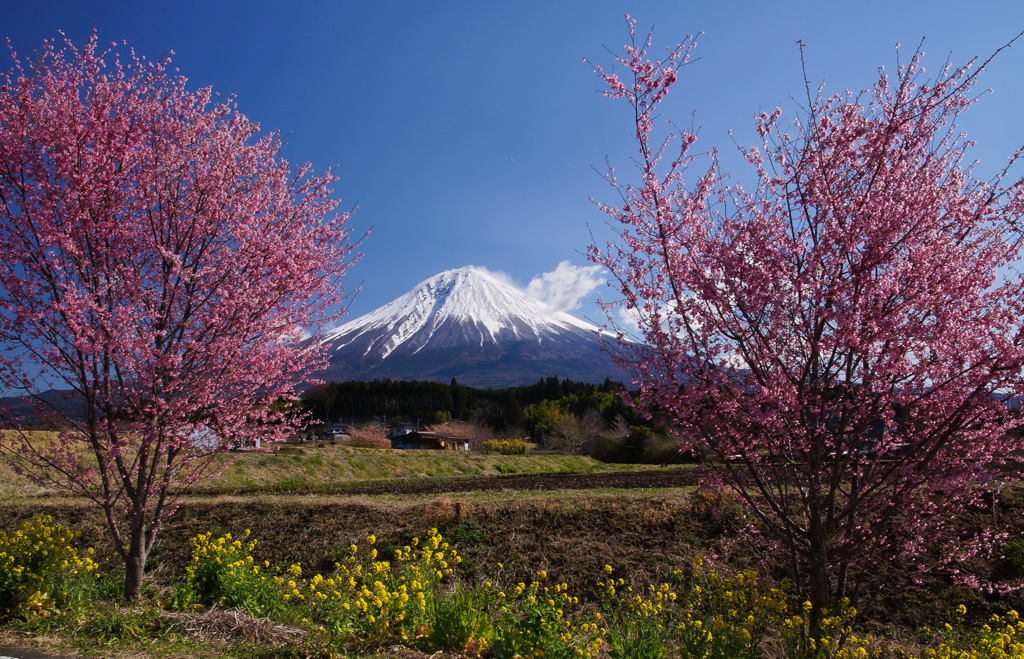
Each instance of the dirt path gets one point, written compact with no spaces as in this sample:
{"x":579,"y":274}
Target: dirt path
{"x":514,"y":482}
{"x":12,"y":653}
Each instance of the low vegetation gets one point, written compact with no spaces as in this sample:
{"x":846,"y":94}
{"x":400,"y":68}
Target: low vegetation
{"x":378,"y":599}
{"x":506,"y":446}
{"x":624,"y":573}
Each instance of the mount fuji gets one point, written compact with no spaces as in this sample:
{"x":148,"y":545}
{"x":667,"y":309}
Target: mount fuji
{"x":469,"y":325}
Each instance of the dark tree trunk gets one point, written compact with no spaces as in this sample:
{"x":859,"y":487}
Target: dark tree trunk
{"x":817,"y":576}
{"x":135,"y":561}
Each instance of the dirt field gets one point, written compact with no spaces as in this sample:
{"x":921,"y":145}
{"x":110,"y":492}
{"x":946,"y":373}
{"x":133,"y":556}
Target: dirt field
{"x":644,"y":524}
{"x":666,"y":478}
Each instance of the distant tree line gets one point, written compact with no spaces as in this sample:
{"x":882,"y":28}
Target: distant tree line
{"x":534,"y":409}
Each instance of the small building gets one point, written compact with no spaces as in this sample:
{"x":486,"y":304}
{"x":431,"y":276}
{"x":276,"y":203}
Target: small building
{"x":247,"y":444}
{"x":410,"y":437}
{"x":335,"y":432}
{"x":206,"y":438}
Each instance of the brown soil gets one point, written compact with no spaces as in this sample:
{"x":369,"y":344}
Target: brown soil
{"x":507,"y":528}
{"x":666,"y":478}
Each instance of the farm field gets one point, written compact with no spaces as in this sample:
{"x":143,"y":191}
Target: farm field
{"x":562,"y":516}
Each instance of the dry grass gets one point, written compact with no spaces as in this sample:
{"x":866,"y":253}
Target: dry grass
{"x":323,"y":465}
{"x":12,"y":484}
{"x":231,"y":626}
{"x":318,"y":467}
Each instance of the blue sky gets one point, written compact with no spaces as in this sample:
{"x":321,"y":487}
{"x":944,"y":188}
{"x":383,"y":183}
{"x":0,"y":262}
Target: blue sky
{"x":467,"y":132}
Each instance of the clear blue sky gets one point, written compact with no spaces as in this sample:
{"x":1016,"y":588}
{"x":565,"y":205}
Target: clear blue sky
{"x":467,"y":131}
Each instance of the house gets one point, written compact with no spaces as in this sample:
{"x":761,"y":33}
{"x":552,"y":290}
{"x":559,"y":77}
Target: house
{"x":247,"y":444}
{"x":411,"y":437}
{"x":204,"y":437}
{"x":333,"y":432}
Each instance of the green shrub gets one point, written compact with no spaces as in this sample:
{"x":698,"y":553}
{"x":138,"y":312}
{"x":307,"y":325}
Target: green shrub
{"x":506,"y":446}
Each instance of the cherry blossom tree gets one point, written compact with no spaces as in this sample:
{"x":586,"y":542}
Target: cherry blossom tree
{"x":370,"y":435}
{"x":162,"y":262}
{"x":841,"y":336}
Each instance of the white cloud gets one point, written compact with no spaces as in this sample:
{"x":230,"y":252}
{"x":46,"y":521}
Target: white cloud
{"x":564,"y":288}
{"x":629,"y":320}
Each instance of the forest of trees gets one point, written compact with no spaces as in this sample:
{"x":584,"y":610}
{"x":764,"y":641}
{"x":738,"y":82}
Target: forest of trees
{"x":435,"y":402}
{"x":574,"y":416}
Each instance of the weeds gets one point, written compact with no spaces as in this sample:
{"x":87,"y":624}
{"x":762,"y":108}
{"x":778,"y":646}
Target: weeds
{"x":461,"y":620}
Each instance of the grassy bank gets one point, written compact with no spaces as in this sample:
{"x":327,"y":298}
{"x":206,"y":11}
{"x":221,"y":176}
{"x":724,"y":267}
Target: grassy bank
{"x":316,"y":467}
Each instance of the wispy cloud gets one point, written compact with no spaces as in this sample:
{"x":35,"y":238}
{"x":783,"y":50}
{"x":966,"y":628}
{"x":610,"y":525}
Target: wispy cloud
{"x":501,"y":276}
{"x":564,"y":288}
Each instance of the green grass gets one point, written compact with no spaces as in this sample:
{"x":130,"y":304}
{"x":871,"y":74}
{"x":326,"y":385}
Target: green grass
{"x":326,"y":467}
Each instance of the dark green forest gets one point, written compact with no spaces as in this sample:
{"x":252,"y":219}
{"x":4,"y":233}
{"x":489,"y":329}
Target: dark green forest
{"x":435,"y":402}
{"x":575,"y":417}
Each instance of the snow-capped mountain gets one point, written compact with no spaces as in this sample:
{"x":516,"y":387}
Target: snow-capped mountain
{"x":467,"y":324}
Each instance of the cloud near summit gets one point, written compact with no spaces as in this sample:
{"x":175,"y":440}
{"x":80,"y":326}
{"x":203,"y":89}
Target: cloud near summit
{"x":564,"y":288}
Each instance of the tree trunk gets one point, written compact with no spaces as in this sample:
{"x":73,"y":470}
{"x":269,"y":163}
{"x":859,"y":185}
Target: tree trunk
{"x":135,"y":563}
{"x":817,"y":573}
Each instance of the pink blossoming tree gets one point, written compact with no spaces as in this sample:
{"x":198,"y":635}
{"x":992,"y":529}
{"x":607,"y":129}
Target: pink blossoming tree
{"x":840,"y":337}
{"x":161,"y":261}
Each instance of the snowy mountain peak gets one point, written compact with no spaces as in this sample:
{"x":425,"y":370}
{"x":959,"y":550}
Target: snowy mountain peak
{"x":466,"y":323}
{"x":470,"y":297}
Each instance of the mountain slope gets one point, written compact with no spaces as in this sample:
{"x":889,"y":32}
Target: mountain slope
{"x":469,"y":325}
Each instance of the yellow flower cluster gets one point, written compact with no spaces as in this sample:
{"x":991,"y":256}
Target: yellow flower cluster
{"x":363,"y":598}
{"x":40,"y":569}
{"x":374,"y":600}
{"x":368,"y":601}
{"x":223,"y":571}
{"x":536,"y":620}
{"x":1001,"y":638}
{"x":713,"y":616}
{"x":836,"y":639}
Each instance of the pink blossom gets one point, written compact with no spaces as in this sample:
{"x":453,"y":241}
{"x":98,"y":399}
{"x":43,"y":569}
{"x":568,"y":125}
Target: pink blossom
{"x":842,"y":336}
{"x":157,"y":255}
